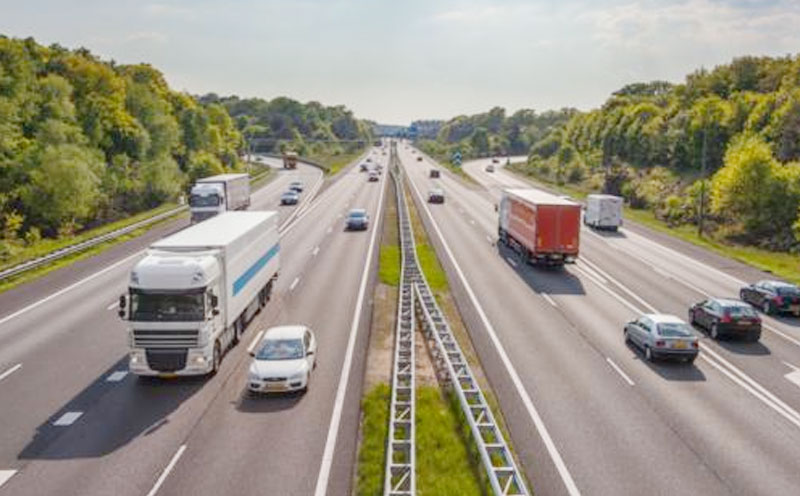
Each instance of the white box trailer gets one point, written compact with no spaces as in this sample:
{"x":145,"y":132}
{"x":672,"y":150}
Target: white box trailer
{"x":191,"y":297}
{"x":603,"y":212}
{"x":221,"y":193}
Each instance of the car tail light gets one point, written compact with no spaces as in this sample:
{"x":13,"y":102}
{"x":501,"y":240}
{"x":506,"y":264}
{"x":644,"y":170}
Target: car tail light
{"x":726,"y":318}
{"x":660,"y":344}
{"x":695,"y":344}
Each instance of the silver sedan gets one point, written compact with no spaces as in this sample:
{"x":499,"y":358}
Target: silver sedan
{"x":662,"y":336}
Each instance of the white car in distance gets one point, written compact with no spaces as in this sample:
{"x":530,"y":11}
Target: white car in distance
{"x":283,"y":360}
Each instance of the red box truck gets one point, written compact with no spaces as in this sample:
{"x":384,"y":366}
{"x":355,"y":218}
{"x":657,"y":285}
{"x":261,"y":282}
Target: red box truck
{"x":542,"y":227}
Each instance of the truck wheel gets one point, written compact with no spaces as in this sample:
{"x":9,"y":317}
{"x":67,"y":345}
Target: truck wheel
{"x":217,"y":359}
{"x":238,"y":327}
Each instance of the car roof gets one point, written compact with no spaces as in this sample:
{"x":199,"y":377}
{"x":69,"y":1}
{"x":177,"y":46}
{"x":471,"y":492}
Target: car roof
{"x":290,"y":192}
{"x":777,"y":284}
{"x":662,"y":318}
{"x":359,"y":211}
{"x":437,"y":191}
{"x":285,"y":332}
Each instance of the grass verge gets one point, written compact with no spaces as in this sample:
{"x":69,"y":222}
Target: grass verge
{"x":784,"y":265}
{"x":434,"y":273}
{"x":374,"y":431}
{"x":336,"y":162}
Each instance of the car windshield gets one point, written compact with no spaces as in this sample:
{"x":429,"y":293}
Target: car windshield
{"x":167,"y":307}
{"x":788,"y":291}
{"x":740,"y":311}
{"x":673,"y":329}
{"x":357,"y":215}
{"x":203,"y":200}
{"x":281,"y":349}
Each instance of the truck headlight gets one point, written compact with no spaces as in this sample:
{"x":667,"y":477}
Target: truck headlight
{"x":200,"y":360}
{"x":136,"y":358}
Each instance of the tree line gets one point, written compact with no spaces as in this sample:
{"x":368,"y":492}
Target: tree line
{"x":84,"y":141}
{"x":730,"y":135}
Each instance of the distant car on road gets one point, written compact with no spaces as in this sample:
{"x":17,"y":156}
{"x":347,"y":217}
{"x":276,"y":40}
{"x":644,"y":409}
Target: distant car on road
{"x":357,"y":220}
{"x":283,"y":360}
{"x":373,"y":176}
{"x":364,"y":167}
{"x":723,"y":317}
{"x":773,"y":297}
{"x":369,"y":159}
{"x":434,"y":173}
{"x":662,"y":336}
{"x":419,"y":158}
{"x":490,"y":168}
{"x":495,"y":160}
{"x":290,"y":198}
{"x":296,"y":186}
{"x":436,"y":196}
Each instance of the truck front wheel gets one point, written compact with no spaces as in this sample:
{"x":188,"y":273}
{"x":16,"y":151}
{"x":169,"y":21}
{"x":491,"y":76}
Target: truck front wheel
{"x":217,"y":359}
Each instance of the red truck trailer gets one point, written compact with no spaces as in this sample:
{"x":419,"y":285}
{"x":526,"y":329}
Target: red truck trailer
{"x":544,"y":228}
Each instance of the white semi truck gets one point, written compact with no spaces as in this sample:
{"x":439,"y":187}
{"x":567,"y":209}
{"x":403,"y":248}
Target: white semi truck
{"x":221,"y":193}
{"x":191,"y":297}
{"x":603,"y":212}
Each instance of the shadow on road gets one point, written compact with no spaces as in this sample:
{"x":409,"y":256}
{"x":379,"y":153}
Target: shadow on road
{"x":607,"y":233}
{"x":741,"y":347}
{"x":263,"y":403}
{"x":671,"y":370}
{"x":128,"y":409}
{"x":550,"y":280}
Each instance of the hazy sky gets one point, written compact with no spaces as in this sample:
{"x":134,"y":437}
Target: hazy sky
{"x":395,"y":61}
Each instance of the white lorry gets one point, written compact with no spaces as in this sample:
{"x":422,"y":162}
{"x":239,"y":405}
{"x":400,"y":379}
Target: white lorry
{"x":603,"y":212}
{"x":191,"y":296}
{"x":216,"y":194}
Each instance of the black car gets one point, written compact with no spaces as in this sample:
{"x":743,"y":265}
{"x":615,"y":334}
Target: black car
{"x":434,"y":173}
{"x":436,"y":196}
{"x":773,"y":297}
{"x":723,"y":317}
{"x":296,"y":186}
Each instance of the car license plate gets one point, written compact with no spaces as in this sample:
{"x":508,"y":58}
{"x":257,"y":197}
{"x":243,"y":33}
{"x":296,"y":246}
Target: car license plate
{"x":679,"y":345}
{"x":167,"y":375}
{"x":794,"y":308}
{"x":275,"y":387}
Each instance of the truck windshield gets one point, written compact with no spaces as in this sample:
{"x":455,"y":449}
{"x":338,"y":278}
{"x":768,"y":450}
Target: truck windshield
{"x":167,"y":307}
{"x":203,"y":200}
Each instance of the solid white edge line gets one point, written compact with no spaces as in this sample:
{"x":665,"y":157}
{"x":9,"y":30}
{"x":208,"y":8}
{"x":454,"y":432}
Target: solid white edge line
{"x":344,"y":378}
{"x":316,"y":250}
{"x":5,"y":475}
{"x":70,"y":287}
{"x":10,"y":371}
{"x":551,"y":301}
{"x":67,"y":419}
{"x":552,"y":450}
{"x":619,"y":371}
{"x":167,"y":470}
{"x":255,"y":341}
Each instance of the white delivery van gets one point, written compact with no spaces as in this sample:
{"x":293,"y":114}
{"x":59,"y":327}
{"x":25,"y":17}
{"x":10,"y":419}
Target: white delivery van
{"x":603,"y":212}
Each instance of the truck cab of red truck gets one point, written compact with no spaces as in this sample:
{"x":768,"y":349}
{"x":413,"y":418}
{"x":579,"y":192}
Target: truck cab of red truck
{"x":543,"y":228}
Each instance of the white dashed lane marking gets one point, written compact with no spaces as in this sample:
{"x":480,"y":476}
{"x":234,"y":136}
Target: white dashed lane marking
{"x":68,"y":418}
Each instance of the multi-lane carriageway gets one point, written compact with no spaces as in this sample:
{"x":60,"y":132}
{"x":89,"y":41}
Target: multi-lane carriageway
{"x":586,"y":413}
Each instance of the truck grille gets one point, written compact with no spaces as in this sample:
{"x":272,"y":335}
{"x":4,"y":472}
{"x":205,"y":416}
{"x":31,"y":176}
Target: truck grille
{"x":165,"y":338}
{"x":166,"y":360}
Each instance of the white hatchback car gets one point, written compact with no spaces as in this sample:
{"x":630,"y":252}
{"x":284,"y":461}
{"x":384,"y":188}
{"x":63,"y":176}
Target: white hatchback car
{"x":283,"y":360}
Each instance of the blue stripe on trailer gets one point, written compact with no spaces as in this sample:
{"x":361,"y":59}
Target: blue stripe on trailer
{"x":243,"y":279}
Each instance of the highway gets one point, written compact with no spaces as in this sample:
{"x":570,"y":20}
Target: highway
{"x":587,"y":414}
{"x":76,"y":423}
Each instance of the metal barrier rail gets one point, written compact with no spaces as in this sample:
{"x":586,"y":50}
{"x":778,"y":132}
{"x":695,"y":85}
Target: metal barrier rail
{"x":501,"y":469}
{"x":83,"y":245}
{"x":400,"y":476}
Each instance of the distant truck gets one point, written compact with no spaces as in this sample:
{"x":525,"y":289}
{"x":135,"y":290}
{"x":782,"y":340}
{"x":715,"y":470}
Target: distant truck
{"x":543,"y":228}
{"x":290,"y":160}
{"x":190,"y":298}
{"x":216,"y":194}
{"x":603,"y":212}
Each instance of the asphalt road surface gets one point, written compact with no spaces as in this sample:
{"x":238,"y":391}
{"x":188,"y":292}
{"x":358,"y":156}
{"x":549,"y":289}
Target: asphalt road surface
{"x":586,"y":413}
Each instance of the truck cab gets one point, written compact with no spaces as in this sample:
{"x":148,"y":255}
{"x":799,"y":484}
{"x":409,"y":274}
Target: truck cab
{"x":173,"y":313}
{"x":206,"y":200}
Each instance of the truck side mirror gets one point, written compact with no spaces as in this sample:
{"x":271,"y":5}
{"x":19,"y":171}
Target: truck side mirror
{"x":214,"y":302}
{"x":215,"y":312}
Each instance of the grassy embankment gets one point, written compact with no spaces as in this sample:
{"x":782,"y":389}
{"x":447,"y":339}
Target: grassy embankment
{"x":784,"y":265}
{"x":335,"y":162}
{"x":46,"y":246}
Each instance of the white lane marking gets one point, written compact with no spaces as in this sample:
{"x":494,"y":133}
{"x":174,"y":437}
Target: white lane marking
{"x":330,"y":229}
{"x":472,"y":221}
{"x":549,"y":300}
{"x":5,"y":475}
{"x":489,"y":239}
{"x":794,"y":375}
{"x":511,"y":261}
{"x":619,"y":371}
{"x":636,"y":310}
{"x":68,"y":418}
{"x":69,"y":288}
{"x":550,"y":445}
{"x":620,"y":286}
{"x":316,"y":250}
{"x":117,"y":376}
{"x":113,"y":306}
{"x":167,"y":470}
{"x":255,"y":341}
{"x":294,"y":283}
{"x":10,"y":371}
{"x":593,"y":273}
{"x":344,"y":378}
